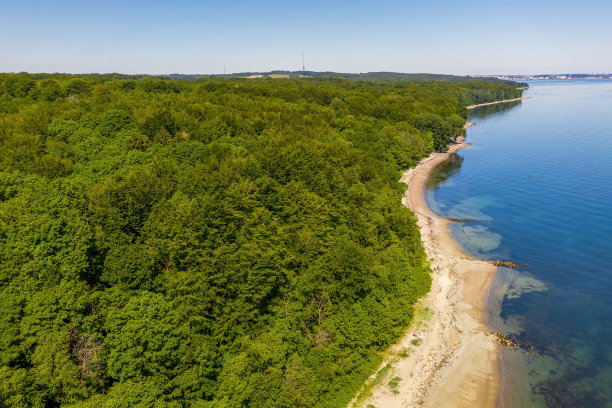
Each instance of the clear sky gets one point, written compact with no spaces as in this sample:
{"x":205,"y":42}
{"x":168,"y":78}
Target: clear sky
{"x":439,"y":36}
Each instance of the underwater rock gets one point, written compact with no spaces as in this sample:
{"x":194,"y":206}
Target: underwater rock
{"x":461,"y":220}
{"x":507,"y":264}
{"x":508,"y":341}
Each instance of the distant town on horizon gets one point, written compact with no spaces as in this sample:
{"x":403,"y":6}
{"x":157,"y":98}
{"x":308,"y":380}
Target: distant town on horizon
{"x":526,"y":77}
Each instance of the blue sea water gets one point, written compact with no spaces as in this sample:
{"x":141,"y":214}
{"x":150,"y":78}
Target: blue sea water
{"x":538,"y":176}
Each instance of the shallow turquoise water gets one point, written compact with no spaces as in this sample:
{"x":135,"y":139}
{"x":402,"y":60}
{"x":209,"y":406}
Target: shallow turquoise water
{"x":539,"y":177}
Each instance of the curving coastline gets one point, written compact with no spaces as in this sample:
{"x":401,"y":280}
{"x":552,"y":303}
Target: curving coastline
{"x":497,"y":102}
{"x":456,"y":363}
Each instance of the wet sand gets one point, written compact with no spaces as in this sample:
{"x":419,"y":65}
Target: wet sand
{"x":456,"y":363}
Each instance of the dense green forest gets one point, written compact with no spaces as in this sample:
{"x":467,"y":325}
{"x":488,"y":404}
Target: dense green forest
{"x":210,"y":242}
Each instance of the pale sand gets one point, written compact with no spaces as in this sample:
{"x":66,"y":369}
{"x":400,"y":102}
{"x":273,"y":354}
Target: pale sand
{"x":456,"y":364}
{"x":496,"y":102}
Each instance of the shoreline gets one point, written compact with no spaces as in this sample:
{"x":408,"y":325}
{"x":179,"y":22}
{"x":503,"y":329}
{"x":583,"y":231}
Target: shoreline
{"x":456,"y":364}
{"x":497,"y":102}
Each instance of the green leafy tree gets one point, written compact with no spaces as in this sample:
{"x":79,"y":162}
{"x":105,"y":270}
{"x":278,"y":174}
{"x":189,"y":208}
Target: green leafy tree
{"x":439,"y":128}
{"x":142,"y":340}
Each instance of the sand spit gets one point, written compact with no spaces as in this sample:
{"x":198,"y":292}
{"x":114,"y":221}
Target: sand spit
{"x":496,"y":102}
{"x":450,"y":358}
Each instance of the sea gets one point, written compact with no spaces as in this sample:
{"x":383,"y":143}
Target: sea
{"x":537,"y":179}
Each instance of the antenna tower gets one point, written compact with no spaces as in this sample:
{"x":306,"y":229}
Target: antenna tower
{"x":303,"y":66}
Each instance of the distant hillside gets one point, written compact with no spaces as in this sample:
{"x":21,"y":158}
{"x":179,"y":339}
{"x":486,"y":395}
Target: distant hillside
{"x":365,"y":76}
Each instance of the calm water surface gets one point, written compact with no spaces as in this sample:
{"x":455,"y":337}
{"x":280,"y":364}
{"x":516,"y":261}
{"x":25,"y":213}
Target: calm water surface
{"x":539,"y":178}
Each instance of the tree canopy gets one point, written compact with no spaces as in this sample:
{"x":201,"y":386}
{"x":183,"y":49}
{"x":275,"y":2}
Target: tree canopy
{"x":211,"y":242}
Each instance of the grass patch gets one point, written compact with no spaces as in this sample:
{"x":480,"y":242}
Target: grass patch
{"x":422,"y":315}
{"x":394,"y":383}
{"x":416,"y":342}
{"x":405,"y":352}
{"x":366,"y":392}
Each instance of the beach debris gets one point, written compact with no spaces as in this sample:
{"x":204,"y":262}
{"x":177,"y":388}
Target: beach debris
{"x":419,"y":335}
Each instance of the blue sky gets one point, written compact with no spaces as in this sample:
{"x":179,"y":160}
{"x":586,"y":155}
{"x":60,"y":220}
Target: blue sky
{"x":440,"y":36}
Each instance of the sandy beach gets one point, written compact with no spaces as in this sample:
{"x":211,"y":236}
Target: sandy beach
{"x":447,"y":358}
{"x":496,"y":102}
